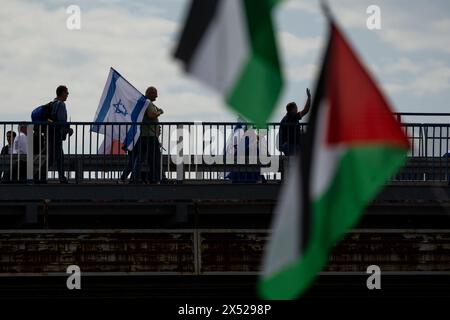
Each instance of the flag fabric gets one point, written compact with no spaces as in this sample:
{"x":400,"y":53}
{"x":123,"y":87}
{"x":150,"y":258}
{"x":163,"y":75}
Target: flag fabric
{"x":120,"y":103}
{"x":235,"y":138}
{"x":230,"y":45}
{"x":354,"y":145}
{"x":231,"y":147}
{"x":111,"y":146}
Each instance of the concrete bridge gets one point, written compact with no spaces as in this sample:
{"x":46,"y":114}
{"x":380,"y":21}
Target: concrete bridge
{"x":202,"y":239}
{"x":200,"y":235}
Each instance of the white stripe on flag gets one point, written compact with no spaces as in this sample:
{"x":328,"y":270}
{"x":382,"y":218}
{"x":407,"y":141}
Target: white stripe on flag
{"x":120,"y":103}
{"x":284,"y":246}
{"x":224,"y":49}
{"x":323,"y":168}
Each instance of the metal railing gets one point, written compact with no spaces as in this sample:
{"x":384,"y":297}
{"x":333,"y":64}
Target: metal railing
{"x":188,"y":151}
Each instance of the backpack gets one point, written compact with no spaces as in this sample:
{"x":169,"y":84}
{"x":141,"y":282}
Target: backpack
{"x":42,"y":113}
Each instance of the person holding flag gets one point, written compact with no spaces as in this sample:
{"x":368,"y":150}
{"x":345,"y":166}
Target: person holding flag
{"x":149,"y":146}
{"x":123,"y":107}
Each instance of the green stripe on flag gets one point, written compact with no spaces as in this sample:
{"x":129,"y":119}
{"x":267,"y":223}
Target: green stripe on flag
{"x":256,"y":92}
{"x":361,"y":174}
{"x":258,"y":87}
{"x":273,"y":3}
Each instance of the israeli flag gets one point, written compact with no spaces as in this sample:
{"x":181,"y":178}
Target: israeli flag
{"x":120,"y":102}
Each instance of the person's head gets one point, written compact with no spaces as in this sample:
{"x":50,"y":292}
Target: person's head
{"x":23,"y":128}
{"x":10,"y":136}
{"x":291,"y":107}
{"x":62,"y":93}
{"x":151,"y":93}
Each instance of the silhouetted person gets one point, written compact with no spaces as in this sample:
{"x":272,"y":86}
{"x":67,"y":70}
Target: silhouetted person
{"x":130,"y":161}
{"x":18,"y":169}
{"x":59,"y":131}
{"x":10,"y":136}
{"x":7,"y":150}
{"x":149,"y":148}
{"x":289,"y":139}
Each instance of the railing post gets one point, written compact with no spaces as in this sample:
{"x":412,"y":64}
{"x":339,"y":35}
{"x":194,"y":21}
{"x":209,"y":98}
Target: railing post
{"x":180,"y":164}
{"x":197,"y":157}
{"x":30,"y":153}
{"x":11,"y":160}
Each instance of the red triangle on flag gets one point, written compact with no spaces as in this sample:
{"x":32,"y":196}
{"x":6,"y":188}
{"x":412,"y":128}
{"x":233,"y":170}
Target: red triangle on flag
{"x":359,"y":113}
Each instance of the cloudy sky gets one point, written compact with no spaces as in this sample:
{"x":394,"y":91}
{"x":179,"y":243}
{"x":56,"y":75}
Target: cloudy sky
{"x":409,"y":56}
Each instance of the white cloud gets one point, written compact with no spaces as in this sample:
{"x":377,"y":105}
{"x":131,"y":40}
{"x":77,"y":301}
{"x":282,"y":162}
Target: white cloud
{"x":302,"y":5}
{"x":442,"y":25}
{"x":411,"y":40}
{"x":432,"y":81}
{"x":402,"y":66}
{"x":393,"y":88}
{"x":402,"y":31}
{"x":351,"y":13}
{"x":305,"y":72}
{"x":295,"y":47}
{"x":41,"y":54}
{"x":407,"y":29}
{"x":415,"y":27}
{"x":428,"y":79}
{"x":38,"y":53}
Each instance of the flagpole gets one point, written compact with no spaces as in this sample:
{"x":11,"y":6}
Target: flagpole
{"x":326,"y":9}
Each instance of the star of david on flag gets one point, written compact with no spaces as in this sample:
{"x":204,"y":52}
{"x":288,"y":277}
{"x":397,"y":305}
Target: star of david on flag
{"x":120,"y":103}
{"x":120,"y":108}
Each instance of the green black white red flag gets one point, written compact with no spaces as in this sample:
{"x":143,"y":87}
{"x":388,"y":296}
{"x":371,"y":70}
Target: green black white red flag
{"x":230,"y":45}
{"x":354,"y":145}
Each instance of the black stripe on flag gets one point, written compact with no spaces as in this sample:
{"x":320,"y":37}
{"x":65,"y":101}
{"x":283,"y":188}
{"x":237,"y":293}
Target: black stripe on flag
{"x":308,"y":150}
{"x":200,"y":16}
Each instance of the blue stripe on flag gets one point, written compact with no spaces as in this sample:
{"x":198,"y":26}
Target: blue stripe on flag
{"x":107,"y":102}
{"x":129,"y":139}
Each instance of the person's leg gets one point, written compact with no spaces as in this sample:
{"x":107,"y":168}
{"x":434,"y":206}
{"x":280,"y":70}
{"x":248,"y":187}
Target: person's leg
{"x":157,"y":160}
{"x":43,"y":169}
{"x":23,"y":171}
{"x":297,"y":149}
{"x":51,"y":148}
{"x":44,"y":159}
{"x":39,"y":152}
{"x":139,"y":156}
{"x":286,"y":149}
{"x":292,"y":149}
{"x":146,"y":173}
{"x":19,"y":169}
{"x":134,"y":161}
{"x":131,"y":158}
{"x":15,"y":170}
{"x":161,"y":174}
{"x":126,"y":171}
{"x":59,"y":157}
{"x":154,"y":160}
{"x":151,"y":160}
{"x":9,"y":170}
{"x":129,"y":167}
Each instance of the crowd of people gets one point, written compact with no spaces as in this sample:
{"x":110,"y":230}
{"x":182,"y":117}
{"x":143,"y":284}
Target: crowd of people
{"x":51,"y":129}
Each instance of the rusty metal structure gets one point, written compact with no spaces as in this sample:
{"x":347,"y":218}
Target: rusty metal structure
{"x":205,"y":237}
